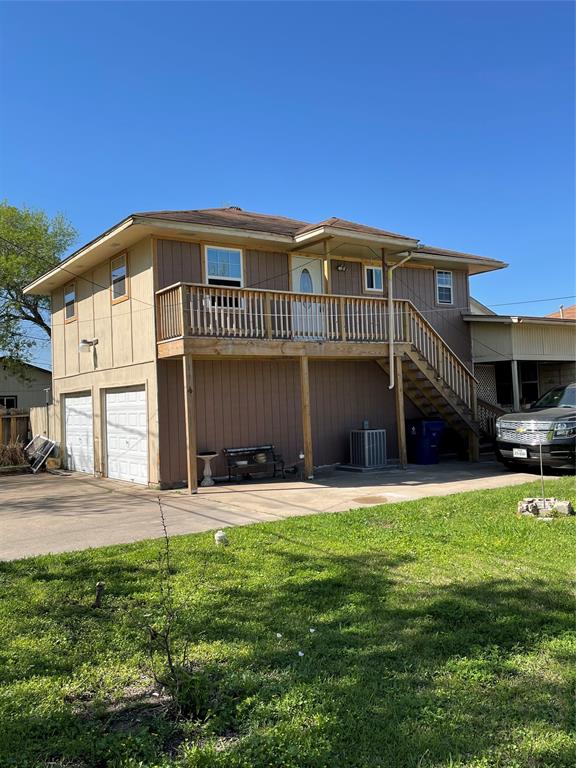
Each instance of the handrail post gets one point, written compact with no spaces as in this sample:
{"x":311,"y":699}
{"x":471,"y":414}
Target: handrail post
{"x":268,"y":315}
{"x":182,"y":327}
{"x":342,"y":315}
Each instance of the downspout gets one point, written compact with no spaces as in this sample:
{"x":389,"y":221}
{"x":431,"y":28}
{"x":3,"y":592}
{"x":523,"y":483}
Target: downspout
{"x":391,"y":324}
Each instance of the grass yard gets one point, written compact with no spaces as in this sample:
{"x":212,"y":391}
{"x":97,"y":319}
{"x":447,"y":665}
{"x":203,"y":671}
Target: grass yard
{"x":444,"y":636}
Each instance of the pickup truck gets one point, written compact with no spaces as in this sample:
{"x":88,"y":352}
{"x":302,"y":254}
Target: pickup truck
{"x":550,"y":423}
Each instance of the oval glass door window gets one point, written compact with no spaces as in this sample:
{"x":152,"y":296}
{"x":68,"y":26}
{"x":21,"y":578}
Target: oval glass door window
{"x":306,"y":284}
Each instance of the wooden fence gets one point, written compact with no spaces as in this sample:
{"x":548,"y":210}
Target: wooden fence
{"x":14,"y":426}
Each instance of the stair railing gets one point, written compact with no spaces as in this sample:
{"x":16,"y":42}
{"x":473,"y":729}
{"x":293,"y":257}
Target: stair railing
{"x":445,"y":362}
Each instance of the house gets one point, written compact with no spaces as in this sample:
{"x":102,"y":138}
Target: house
{"x":518,"y":358}
{"x":26,"y":390}
{"x":178,"y":332}
{"x":568,"y":313}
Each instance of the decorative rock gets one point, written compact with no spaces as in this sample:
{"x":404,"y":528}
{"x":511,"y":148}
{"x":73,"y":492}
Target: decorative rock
{"x":545,"y":508}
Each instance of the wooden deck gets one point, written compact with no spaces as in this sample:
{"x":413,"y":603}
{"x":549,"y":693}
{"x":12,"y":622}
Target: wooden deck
{"x":196,"y":321}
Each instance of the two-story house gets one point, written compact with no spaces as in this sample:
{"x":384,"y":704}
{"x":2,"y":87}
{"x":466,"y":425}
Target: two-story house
{"x":176,"y":332}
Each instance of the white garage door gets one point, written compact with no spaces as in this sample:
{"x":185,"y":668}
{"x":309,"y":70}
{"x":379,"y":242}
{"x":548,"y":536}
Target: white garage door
{"x":78,"y":435}
{"x":126,"y":435}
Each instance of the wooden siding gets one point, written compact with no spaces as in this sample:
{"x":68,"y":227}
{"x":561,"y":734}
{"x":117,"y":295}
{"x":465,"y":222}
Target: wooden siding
{"x":176,"y":262}
{"x":171,"y":418}
{"x":347,"y":283}
{"x":344,"y":394}
{"x":179,"y":261}
{"x":419,"y":286}
{"x":267,"y":270}
{"x":258,"y":401}
{"x":125,"y":331}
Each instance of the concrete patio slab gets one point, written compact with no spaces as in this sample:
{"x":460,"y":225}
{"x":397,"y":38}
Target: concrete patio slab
{"x":48,"y":512}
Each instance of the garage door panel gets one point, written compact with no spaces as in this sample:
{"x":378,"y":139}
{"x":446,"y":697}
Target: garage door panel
{"x":78,"y":433}
{"x":126,"y":435}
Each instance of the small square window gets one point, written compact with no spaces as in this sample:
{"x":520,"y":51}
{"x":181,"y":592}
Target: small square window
{"x":8,"y":401}
{"x":70,"y":301}
{"x":443,"y":287}
{"x":373,"y":278}
{"x":119,"y":278}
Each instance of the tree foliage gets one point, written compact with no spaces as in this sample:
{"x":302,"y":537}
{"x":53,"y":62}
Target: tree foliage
{"x":31,"y":243}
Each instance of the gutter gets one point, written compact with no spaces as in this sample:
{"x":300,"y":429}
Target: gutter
{"x":391,"y":328}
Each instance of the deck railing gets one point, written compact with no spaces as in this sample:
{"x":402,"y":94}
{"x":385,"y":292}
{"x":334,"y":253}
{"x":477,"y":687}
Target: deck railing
{"x":200,"y":310}
{"x":487,"y":415}
{"x":195,"y":310}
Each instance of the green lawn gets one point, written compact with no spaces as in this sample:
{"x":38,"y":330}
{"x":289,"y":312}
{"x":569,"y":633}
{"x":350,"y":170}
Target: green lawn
{"x":444,"y":636}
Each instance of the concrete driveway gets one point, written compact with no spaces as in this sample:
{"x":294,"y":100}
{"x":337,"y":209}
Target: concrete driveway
{"x":69,"y":511}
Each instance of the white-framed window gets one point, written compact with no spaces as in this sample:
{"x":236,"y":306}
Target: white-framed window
{"x":70,"y":302}
{"x":224,"y":266}
{"x":373,"y":279}
{"x":444,"y":294}
{"x":119,"y":278}
{"x":8,"y":401}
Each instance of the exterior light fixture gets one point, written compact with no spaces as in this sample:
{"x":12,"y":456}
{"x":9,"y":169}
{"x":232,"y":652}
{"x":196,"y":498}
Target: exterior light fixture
{"x":341,"y":267}
{"x":89,"y":344}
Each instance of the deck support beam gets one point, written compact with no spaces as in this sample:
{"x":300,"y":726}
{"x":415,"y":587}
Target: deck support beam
{"x":190,"y":423}
{"x":400,"y":416}
{"x":306,"y":419}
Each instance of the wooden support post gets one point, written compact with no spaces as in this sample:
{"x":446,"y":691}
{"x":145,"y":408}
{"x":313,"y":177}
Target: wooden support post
{"x":190,"y":423}
{"x":473,"y":446}
{"x":400,"y":418}
{"x":515,"y":385}
{"x":306,"y":419}
{"x":327,"y":269}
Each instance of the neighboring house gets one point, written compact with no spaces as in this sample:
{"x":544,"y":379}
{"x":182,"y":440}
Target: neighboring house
{"x":517,"y":359}
{"x":565,"y":313}
{"x":188,"y":331}
{"x":24,"y":391}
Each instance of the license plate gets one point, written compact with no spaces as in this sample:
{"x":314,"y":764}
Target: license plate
{"x":520,"y":453}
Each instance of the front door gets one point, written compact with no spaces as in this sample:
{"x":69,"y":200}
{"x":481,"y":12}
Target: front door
{"x":307,"y":315}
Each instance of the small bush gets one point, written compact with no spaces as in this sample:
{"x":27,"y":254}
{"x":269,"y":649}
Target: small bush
{"x":12,"y":454}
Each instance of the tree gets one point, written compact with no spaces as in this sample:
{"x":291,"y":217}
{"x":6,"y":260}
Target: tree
{"x":31,"y":243}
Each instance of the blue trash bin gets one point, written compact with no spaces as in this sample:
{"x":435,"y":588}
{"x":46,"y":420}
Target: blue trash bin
{"x":423,"y":440}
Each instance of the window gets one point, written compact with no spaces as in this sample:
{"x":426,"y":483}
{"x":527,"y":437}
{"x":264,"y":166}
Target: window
{"x":373,"y":278}
{"x":119,"y":278}
{"x":306,"y":284}
{"x":224,"y":266}
{"x":8,"y":401}
{"x":70,"y":302}
{"x":443,"y":287}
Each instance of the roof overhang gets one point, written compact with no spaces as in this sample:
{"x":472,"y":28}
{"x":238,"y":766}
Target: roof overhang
{"x":388,"y":242}
{"x":475,"y":265}
{"x":517,"y":320}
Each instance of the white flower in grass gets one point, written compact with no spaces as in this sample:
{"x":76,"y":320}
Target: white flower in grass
{"x":300,"y":653}
{"x":312,"y":629}
{"x":278,"y":635}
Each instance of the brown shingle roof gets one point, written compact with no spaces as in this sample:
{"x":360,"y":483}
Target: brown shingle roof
{"x":337,"y":223}
{"x":568,"y":313}
{"x":260,"y":222}
{"x":232,"y":217}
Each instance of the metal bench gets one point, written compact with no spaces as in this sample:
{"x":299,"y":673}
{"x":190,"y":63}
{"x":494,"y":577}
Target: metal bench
{"x":243,"y":462}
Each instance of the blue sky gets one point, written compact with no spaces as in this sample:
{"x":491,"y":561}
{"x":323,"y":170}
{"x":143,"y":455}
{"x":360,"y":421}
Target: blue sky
{"x":452,"y":122}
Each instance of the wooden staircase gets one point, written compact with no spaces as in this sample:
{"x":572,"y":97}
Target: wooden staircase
{"x":436,"y":381}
